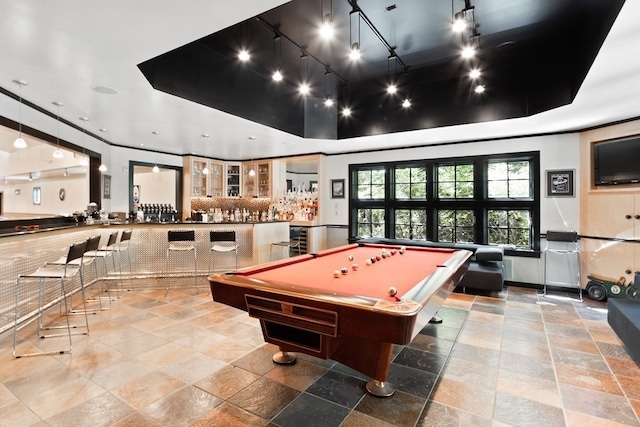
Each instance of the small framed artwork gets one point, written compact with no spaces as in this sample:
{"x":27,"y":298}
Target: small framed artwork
{"x":560,"y":183}
{"x":36,"y":195}
{"x":337,"y":188}
{"x":106,"y":186}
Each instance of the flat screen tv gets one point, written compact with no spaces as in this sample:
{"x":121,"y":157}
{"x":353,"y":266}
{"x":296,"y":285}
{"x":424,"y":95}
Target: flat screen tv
{"x":617,"y":161}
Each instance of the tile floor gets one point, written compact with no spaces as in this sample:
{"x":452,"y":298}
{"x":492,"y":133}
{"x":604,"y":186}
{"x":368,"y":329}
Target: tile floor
{"x":508,"y":359}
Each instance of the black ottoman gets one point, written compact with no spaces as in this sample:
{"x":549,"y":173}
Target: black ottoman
{"x":624,"y":318}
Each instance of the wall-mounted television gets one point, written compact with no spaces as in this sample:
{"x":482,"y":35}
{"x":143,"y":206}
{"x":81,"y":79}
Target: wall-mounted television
{"x":617,"y":161}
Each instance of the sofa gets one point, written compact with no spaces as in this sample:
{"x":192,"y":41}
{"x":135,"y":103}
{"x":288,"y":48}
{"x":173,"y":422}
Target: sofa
{"x":486,"y":269}
{"x":624,"y":318}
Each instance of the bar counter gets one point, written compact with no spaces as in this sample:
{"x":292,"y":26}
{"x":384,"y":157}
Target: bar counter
{"x":22,"y":252}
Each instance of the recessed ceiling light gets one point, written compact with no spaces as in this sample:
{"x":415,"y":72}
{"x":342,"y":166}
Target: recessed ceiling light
{"x":104,"y":90}
{"x":479,"y":89}
{"x":328,"y":102}
{"x":243,"y":55}
{"x":474,"y":74}
{"x":252,"y":138}
{"x":346,"y":111}
{"x":392,"y":88}
{"x":277,"y":76}
{"x":406,"y":103}
{"x":155,"y":132}
{"x":468,"y":52}
{"x":304,"y":89}
{"x":103,"y":129}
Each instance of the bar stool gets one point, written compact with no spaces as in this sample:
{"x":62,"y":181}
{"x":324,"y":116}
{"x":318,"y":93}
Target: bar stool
{"x":60,"y":272}
{"x":87,"y":260}
{"x":563,"y":247}
{"x":181,"y":241}
{"x":123,"y":248}
{"x":223,"y":242}
{"x":107,"y":251}
{"x":295,"y":235}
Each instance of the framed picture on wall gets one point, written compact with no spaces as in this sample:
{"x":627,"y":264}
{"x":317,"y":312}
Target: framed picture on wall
{"x":106,"y":186}
{"x":337,"y":188}
{"x":560,"y":183}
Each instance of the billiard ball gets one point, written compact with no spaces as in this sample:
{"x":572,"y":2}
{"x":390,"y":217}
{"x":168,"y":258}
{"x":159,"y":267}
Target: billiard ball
{"x":401,"y":251}
{"x":393,"y":291}
{"x":350,"y":257}
{"x":344,"y":270}
{"x":354,"y":267}
{"x":403,"y":248}
{"x":373,"y":260}
{"x":378,"y":258}
{"x":337,"y":273}
{"x":384,"y":250}
{"x":393,"y":251}
{"x":384,"y":254}
{"x":368,"y":261}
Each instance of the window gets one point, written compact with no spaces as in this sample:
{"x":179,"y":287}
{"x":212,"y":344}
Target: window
{"x":455,"y":181}
{"x":482,"y":199}
{"x":411,"y":224}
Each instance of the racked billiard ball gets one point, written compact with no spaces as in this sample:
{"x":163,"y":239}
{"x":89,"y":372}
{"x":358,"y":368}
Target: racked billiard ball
{"x":344,"y":270}
{"x":373,"y":260}
{"x":393,"y":251}
{"x":378,"y":258}
{"x":384,"y":254}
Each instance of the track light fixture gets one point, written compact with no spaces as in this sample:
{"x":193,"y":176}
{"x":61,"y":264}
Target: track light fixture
{"x":20,"y":142}
{"x":277,"y":58}
{"x":406,"y":103}
{"x":244,"y":55}
{"x":459,"y":23}
{"x":326,"y":29}
{"x":479,"y":89}
{"x":474,"y":74}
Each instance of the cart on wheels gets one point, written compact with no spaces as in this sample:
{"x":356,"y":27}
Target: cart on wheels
{"x":600,"y":289}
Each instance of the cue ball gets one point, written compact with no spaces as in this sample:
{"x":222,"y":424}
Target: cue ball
{"x":403,"y":248}
{"x":354,"y":266}
{"x":368,"y":261}
{"x":350,"y":257}
{"x":344,"y":270}
{"x":393,"y":291}
{"x":337,"y":273}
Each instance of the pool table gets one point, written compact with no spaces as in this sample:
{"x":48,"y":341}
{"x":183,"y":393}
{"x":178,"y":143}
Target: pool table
{"x":337,"y":304}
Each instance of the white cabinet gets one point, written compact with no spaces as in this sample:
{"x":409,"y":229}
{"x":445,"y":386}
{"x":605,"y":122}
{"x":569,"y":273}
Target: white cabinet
{"x":612,"y":226}
{"x":216,"y":179}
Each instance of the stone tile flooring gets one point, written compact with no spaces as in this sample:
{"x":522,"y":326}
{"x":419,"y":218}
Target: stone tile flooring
{"x":513,"y":358}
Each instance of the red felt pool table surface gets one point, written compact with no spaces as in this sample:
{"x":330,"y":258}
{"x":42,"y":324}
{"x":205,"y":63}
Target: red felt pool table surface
{"x":402,"y":271}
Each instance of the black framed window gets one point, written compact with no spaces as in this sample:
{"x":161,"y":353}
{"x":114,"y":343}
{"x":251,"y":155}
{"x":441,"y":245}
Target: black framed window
{"x":482,"y":199}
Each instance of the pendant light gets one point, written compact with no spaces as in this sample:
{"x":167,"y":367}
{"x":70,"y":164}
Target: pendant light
{"x":83,"y":161}
{"x":205,"y":171}
{"x":57,"y":154}
{"x":20,"y":142}
{"x":252,"y":172}
{"x":155,"y":168}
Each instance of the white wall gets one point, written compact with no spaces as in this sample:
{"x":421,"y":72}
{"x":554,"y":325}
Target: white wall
{"x":76,"y":189}
{"x":119,"y":171}
{"x":302,"y":179}
{"x":157,"y":187}
{"x":556,"y":213}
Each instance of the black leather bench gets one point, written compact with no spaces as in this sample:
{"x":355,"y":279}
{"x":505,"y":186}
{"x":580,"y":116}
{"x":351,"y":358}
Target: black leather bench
{"x":624,"y":318}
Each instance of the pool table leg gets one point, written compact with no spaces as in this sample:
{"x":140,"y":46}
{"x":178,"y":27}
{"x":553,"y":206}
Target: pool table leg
{"x":379,"y":385}
{"x":284,"y":358}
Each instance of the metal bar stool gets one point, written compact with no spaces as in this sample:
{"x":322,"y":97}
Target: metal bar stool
{"x":60,"y":272}
{"x":181,"y":241}
{"x":87,"y":260}
{"x":123,"y":248}
{"x":563,"y":247}
{"x":295,"y":235}
{"x":107,"y":251}
{"x":222,"y":242}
